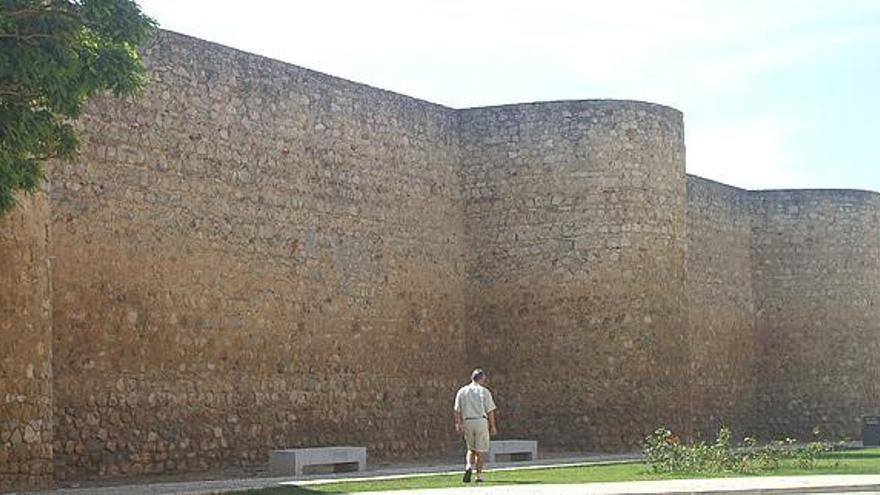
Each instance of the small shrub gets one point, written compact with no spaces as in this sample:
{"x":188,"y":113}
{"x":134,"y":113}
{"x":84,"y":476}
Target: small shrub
{"x":665,"y":453}
{"x":808,"y":455}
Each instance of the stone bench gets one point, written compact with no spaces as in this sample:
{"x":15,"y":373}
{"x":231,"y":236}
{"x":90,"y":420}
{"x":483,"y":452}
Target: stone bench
{"x":291,"y":462}
{"x":513,"y":450}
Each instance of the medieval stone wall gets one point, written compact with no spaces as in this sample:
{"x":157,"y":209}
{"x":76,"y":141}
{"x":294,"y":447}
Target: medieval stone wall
{"x":26,"y":343}
{"x":783,"y":291}
{"x":250,"y":256}
{"x":575,"y":220}
{"x":816,"y":272}
{"x":720,"y":308}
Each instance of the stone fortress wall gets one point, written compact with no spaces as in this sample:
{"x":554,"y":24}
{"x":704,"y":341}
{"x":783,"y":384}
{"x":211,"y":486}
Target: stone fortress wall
{"x":720,"y":307}
{"x":252,"y":255}
{"x":274,"y":258}
{"x":784,"y":308}
{"x":25,"y":347}
{"x":575,"y":216}
{"x":816,"y":272}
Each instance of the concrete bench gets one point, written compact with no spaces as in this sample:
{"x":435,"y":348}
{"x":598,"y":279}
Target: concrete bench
{"x":513,"y":450}
{"x":291,"y":462}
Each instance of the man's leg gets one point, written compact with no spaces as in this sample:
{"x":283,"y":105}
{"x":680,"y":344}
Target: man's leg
{"x":469,"y":465}
{"x":481,"y":445}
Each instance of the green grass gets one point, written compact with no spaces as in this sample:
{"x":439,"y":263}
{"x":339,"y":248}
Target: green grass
{"x":865,"y":461}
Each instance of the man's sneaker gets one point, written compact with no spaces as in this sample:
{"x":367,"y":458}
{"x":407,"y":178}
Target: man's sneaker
{"x":467,"y":476}
{"x":479,"y":479}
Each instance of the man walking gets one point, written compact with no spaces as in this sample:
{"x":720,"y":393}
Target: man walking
{"x":475,"y":418}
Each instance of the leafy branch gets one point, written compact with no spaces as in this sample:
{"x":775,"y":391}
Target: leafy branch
{"x":54,"y":56}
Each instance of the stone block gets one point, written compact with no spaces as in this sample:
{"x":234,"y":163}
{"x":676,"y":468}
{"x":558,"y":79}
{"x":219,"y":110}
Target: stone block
{"x":289,"y":462}
{"x":513,"y":448}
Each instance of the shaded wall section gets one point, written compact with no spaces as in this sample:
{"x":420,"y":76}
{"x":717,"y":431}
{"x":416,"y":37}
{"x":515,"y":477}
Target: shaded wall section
{"x":26,"y":344}
{"x":720,"y":308}
{"x":816,"y":271}
{"x":252,"y":256}
{"x":575,"y":220}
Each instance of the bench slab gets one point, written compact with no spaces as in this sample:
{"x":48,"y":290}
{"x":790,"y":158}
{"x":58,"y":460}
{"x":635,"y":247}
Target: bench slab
{"x":289,"y":462}
{"x":527,"y":448}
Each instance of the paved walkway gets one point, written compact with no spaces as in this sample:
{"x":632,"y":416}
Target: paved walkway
{"x":761,"y":485}
{"x":213,"y":487}
{"x":862,"y":484}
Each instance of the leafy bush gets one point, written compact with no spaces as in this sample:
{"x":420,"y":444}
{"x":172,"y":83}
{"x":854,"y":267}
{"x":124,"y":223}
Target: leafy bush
{"x":665,"y":453}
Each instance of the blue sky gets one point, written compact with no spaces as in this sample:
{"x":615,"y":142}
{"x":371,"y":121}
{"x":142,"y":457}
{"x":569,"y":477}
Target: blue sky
{"x":776,"y":94}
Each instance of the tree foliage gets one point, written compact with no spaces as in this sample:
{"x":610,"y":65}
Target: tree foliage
{"x":55,"y":55}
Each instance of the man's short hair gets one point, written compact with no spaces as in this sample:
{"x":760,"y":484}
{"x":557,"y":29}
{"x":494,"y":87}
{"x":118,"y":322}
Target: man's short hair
{"x":477,"y":374}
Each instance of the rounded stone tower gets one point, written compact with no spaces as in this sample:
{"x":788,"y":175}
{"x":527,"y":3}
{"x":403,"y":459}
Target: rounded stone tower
{"x":575,"y":216}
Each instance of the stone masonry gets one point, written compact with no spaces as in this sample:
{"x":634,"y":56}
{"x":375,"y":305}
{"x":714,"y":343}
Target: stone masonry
{"x":253,"y":256}
{"x":273,"y":260}
{"x":723,"y":347}
{"x":816,"y":271}
{"x":26,"y":343}
{"x":575,"y":217}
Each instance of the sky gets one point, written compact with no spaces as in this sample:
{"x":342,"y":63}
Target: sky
{"x":775,"y":93}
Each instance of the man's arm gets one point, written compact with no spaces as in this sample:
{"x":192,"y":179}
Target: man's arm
{"x":456,"y":412}
{"x":456,"y":415}
{"x":489,"y":405}
{"x":492,"y":430}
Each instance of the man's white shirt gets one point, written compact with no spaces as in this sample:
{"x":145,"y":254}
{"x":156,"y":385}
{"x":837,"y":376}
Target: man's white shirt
{"x":474,"y":401}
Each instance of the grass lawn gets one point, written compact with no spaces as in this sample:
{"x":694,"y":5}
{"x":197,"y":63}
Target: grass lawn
{"x":865,"y":461}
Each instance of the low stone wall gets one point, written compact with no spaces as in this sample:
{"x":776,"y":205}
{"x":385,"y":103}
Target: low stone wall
{"x":26,"y":343}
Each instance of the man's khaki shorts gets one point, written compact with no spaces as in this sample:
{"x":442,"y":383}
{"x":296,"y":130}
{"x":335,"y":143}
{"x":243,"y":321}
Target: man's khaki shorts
{"x":476,"y":434}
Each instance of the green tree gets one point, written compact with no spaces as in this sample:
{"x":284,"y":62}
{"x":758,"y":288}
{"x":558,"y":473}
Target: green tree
{"x":54,"y":56}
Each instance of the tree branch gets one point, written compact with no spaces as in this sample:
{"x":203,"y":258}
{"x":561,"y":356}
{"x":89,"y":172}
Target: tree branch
{"x":17,"y":94}
{"x":28,"y":37}
{"x":28,"y":12}
{"x":23,"y":12}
